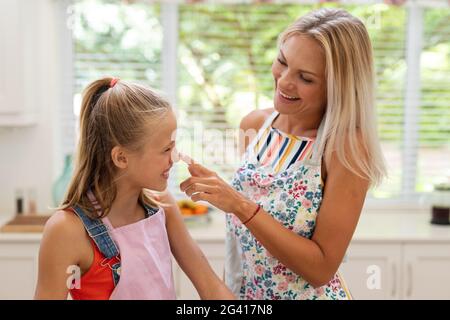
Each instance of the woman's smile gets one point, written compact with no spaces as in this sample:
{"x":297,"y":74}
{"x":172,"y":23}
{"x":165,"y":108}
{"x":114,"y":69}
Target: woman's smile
{"x":287,"y":99}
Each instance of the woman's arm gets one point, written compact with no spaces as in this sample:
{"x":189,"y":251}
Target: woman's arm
{"x":316,"y":259}
{"x":189,"y":256}
{"x":59,"y":250}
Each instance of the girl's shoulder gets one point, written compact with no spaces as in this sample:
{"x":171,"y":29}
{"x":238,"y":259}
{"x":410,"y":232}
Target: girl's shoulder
{"x":65,"y":223}
{"x":64,"y":230}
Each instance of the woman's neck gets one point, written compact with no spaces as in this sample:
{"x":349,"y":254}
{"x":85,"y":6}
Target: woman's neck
{"x":298,"y":125}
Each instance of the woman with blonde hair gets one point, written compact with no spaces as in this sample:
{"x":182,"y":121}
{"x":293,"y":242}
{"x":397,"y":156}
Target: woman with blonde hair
{"x":296,"y":200}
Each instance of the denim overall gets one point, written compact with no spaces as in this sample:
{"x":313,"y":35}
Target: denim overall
{"x":145,"y":267}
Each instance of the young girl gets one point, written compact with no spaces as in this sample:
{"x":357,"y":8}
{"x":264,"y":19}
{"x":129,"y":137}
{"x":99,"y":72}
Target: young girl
{"x":109,"y":232}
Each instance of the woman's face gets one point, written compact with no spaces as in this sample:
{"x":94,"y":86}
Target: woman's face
{"x":299,"y":74}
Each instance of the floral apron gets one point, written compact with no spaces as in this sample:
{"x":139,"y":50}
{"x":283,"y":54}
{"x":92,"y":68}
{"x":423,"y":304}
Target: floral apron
{"x":293,"y":197}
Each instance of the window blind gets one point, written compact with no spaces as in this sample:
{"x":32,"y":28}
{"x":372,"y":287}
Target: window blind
{"x":115,"y":38}
{"x":433,"y":165}
{"x":224,"y":56}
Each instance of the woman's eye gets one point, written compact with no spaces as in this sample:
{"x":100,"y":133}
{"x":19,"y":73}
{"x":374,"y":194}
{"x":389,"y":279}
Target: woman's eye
{"x":304,"y":79}
{"x":167,"y":150}
{"x":301,"y":76}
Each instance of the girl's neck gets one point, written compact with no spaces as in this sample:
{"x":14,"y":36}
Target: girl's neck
{"x":126,"y":208}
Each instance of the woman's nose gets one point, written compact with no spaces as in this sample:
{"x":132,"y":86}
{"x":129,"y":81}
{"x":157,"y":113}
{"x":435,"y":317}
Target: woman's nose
{"x":285,"y":81}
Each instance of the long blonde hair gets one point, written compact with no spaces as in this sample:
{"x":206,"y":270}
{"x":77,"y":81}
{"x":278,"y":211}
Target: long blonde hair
{"x":350,"y":119}
{"x":110,"y":115}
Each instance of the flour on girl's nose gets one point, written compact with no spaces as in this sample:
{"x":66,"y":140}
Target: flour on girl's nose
{"x":185,"y":158}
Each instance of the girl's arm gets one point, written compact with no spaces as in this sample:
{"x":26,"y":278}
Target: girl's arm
{"x":189,"y":256}
{"x":59,"y":250}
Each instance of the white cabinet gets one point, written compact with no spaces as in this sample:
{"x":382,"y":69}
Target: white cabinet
{"x":372,"y":271}
{"x":18,"y":61}
{"x":426,"y":271}
{"x":398,"y":271}
{"x":18,"y":269}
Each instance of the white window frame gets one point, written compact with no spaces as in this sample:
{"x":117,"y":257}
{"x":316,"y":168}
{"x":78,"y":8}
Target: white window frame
{"x":409,"y":199}
{"x":65,"y":113}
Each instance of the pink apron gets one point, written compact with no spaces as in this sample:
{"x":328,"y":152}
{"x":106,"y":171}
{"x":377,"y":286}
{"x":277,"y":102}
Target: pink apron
{"x":146,"y":260}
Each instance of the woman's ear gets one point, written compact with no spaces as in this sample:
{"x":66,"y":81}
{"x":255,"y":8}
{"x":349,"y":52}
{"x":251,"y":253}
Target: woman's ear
{"x":119,"y":157}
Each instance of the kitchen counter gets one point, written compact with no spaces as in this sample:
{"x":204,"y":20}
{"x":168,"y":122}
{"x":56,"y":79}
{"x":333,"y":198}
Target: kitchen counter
{"x":404,"y":227}
{"x":373,"y":227}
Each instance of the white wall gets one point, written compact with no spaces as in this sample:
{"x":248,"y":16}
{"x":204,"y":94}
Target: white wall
{"x":29,"y":156}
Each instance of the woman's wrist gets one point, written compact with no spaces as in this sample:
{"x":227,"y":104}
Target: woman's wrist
{"x":245,"y":209}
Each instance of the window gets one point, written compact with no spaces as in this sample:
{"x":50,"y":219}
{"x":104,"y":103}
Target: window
{"x":222,"y":71}
{"x":116,"y":38}
{"x":433,"y":155}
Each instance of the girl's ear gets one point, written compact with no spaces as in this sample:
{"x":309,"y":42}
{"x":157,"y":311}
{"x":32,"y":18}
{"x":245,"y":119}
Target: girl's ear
{"x":119,"y":157}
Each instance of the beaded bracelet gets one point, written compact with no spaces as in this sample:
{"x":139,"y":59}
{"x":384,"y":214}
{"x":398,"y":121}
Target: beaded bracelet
{"x":254,"y":214}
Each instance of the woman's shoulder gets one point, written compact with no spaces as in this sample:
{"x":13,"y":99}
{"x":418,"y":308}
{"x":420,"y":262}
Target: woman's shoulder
{"x":334,"y":163}
{"x":255,"y":119}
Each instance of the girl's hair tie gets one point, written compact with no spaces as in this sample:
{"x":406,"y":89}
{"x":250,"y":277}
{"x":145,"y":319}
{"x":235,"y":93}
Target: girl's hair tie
{"x":113,"y":82}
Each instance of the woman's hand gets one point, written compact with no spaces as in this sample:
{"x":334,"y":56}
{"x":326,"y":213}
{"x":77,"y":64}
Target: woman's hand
{"x":206,"y":185}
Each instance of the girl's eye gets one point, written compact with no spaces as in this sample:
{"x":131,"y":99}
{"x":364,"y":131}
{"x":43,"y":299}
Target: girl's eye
{"x":167,"y":150}
{"x":281,"y":62}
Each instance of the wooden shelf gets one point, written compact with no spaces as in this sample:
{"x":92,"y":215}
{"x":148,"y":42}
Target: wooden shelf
{"x":25,"y":223}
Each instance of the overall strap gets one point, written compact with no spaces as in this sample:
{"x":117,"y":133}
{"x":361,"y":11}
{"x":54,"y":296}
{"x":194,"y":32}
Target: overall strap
{"x":150,"y":210}
{"x":98,"y":232}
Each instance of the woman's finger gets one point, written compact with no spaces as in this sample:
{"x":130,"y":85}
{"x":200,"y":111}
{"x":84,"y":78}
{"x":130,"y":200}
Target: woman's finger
{"x":202,"y":196}
{"x":199,"y":187}
{"x":197,"y":170}
{"x":191,"y":180}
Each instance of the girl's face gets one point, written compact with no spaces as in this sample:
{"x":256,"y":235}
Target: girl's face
{"x":149,"y":168}
{"x":299,"y":74}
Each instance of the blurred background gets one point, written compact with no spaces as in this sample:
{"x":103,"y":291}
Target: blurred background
{"x":212,"y":60}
